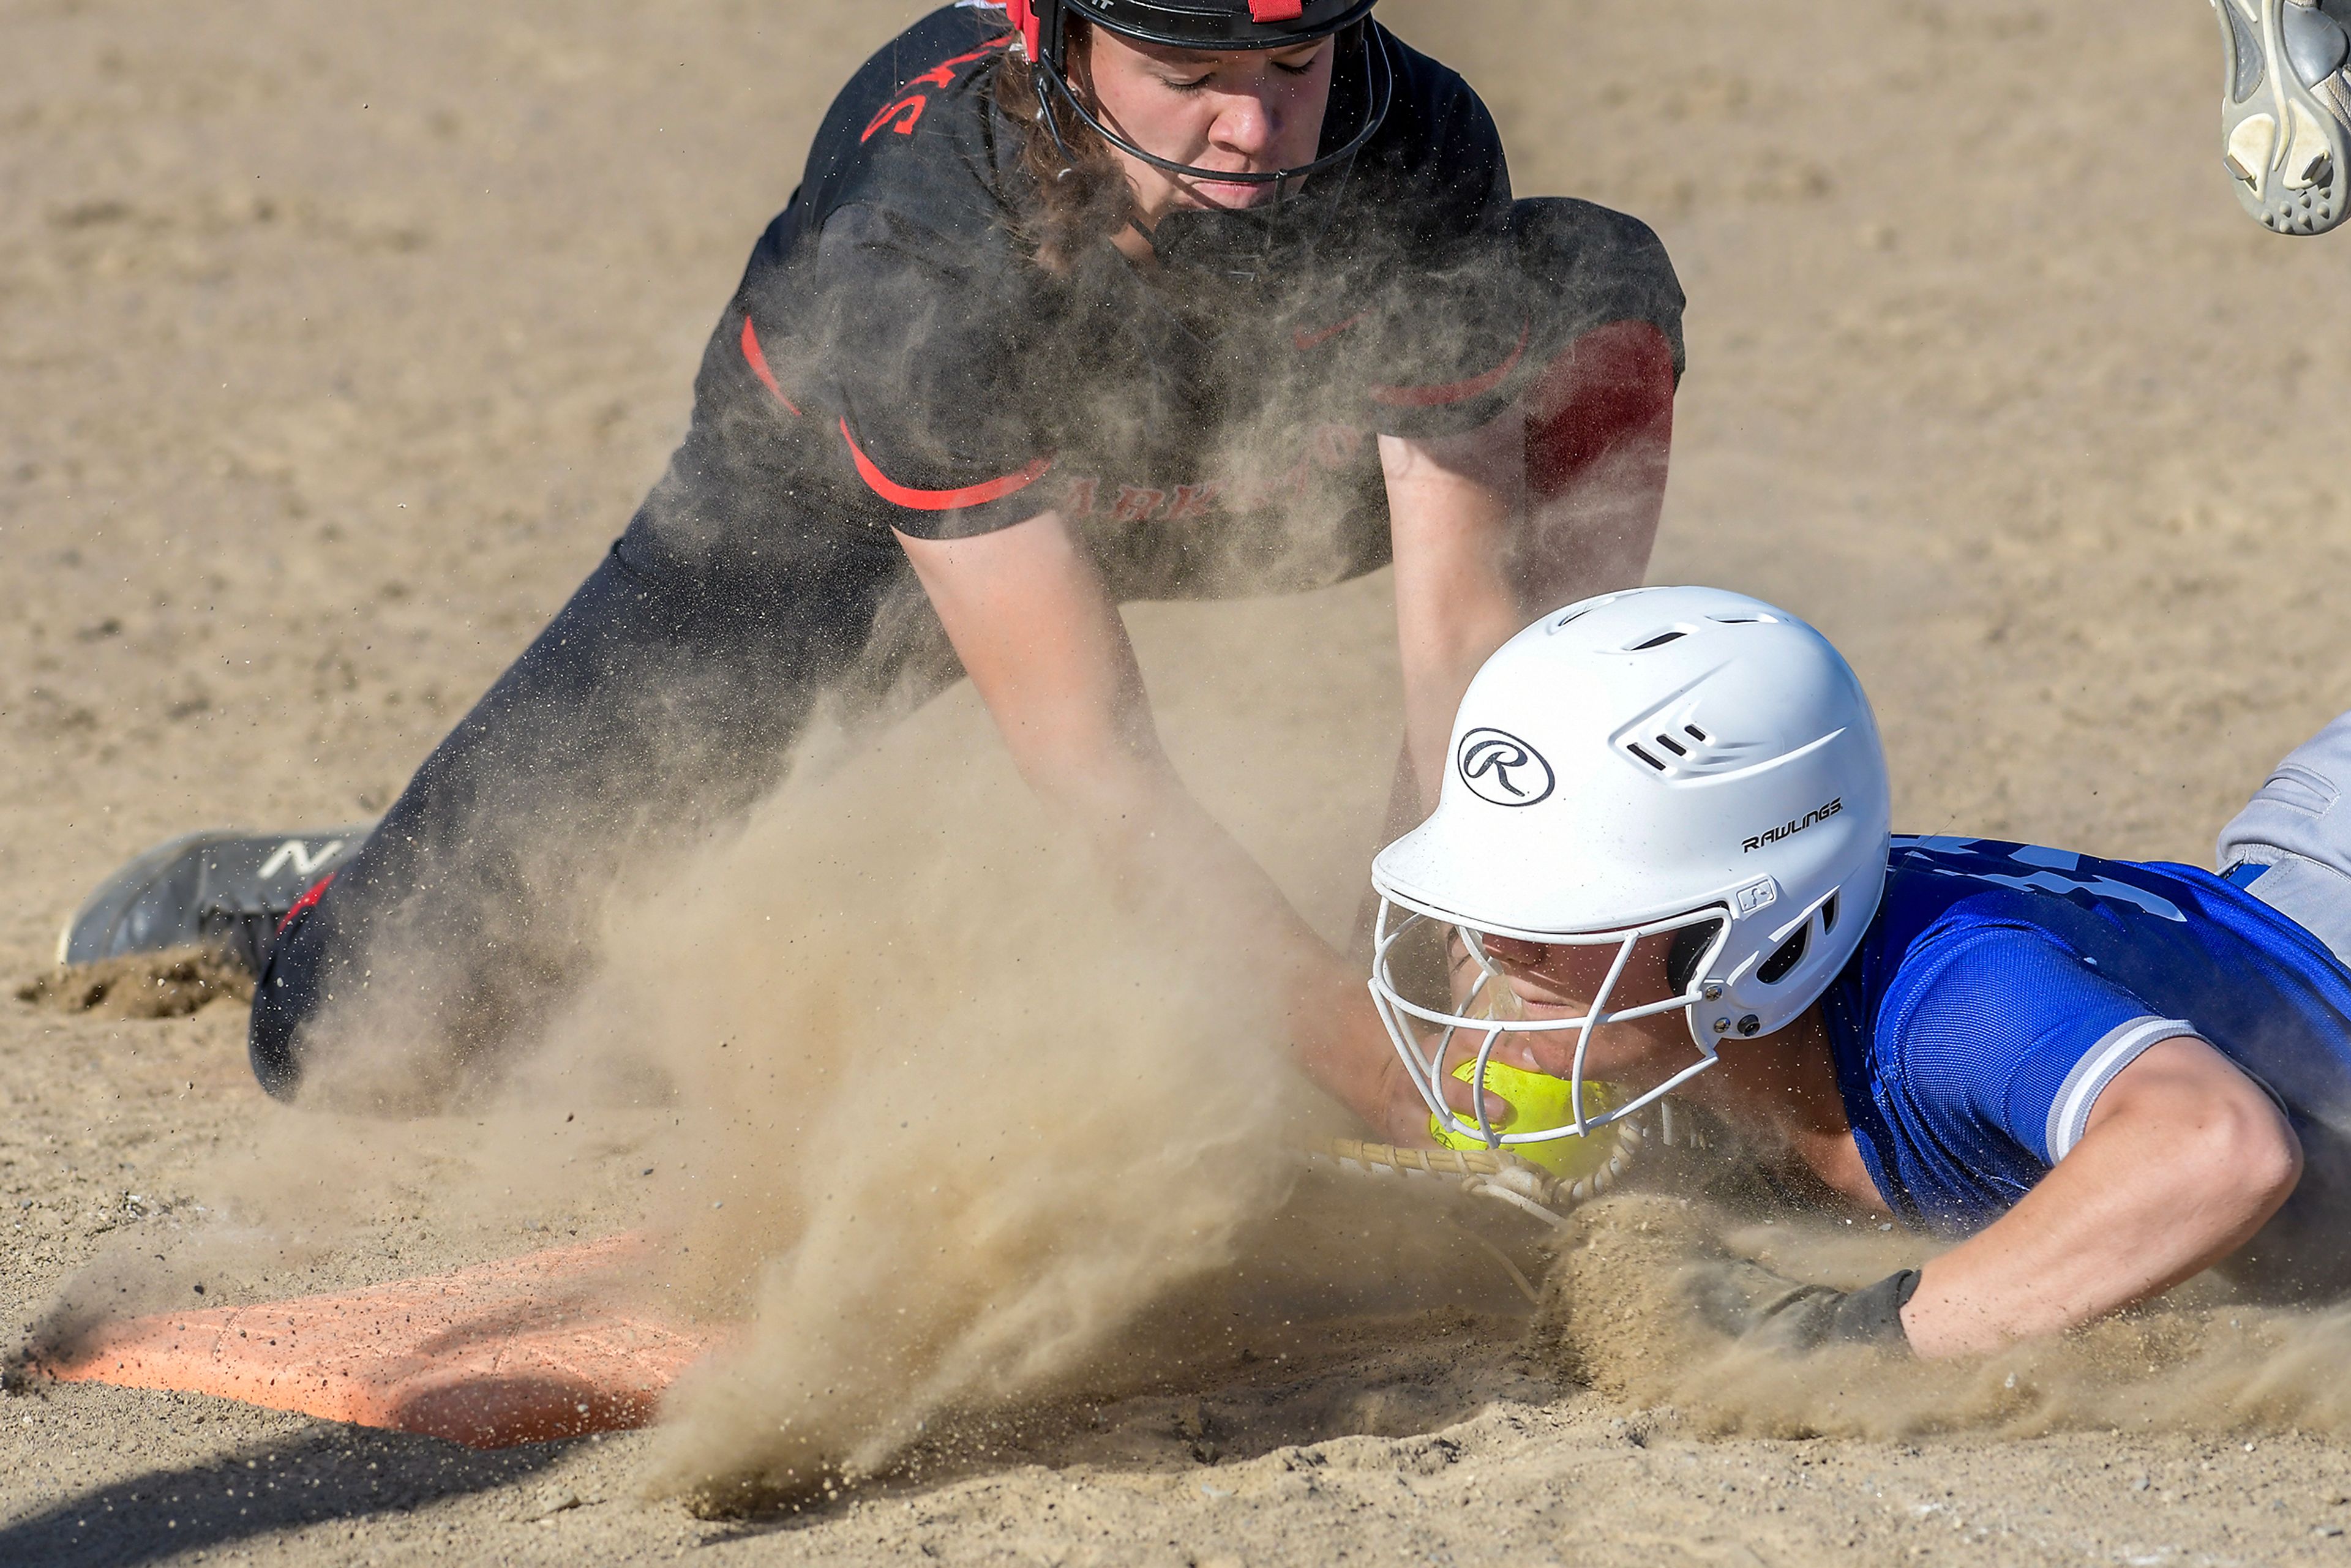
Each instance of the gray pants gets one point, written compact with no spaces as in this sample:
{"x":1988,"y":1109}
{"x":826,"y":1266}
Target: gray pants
{"x":2291,"y":846}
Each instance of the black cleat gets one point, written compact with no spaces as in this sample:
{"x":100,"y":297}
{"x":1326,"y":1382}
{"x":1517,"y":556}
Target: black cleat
{"x":225,"y":891}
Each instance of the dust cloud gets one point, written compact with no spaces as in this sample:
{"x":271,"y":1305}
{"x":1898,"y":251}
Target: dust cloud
{"x":925,"y":1112}
{"x":967,"y":1109}
{"x":926,"y":1119}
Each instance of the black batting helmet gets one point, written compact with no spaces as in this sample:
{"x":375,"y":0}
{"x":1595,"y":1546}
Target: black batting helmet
{"x":1198,"y":25}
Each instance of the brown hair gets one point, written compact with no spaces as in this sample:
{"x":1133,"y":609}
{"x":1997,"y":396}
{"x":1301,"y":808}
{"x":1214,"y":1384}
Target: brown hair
{"x":1082,"y":197}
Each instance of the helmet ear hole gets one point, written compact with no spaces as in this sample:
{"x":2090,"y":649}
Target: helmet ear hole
{"x":1792,"y":952}
{"x":1683,"y":957}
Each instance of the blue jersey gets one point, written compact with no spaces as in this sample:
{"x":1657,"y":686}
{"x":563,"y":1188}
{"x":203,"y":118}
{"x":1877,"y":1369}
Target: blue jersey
{"x":2001,"y":986}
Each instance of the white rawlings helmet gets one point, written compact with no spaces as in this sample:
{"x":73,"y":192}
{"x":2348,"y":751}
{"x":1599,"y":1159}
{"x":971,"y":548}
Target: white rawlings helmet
{"x":1667,"y":760}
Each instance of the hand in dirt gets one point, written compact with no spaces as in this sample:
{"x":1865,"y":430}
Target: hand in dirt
{"x":1746,"y":1300}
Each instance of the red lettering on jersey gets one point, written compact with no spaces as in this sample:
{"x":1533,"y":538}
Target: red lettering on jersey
{"x":1195,"y":500}
{"x":1078,"y":498}
{"x":914,"y":101}
{"x":942,"y":74}
{"x":914,"y":107}
{"x":1267,"y":488}
{"x":1135,"y":503}
{"x":1249,"y":492}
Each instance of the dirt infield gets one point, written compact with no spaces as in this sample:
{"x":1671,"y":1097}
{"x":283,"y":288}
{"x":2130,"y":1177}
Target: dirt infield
{"x":337,"y":342}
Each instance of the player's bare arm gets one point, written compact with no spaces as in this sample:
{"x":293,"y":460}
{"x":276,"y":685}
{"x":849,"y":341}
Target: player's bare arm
{"x":1453,"y":507}
{"x":1477,"y":551}
{"x":1049,"y":656}
{"x":2184,"y":1161}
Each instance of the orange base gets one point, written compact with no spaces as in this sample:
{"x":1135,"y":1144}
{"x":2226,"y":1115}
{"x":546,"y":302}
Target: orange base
{"x":522,"y":1351}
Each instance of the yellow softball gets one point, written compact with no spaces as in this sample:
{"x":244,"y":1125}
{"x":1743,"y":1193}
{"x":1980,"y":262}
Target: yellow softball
{"x":1538,"y":1103}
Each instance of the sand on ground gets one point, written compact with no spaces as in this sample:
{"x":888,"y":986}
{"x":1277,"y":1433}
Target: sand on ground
{"x":337,"y":342}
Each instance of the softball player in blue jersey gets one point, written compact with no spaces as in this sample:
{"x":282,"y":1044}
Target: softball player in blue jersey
{"x":1666,"y":832}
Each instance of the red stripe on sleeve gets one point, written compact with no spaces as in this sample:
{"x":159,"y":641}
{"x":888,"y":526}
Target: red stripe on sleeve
{"x":1453,"y":392}
{"x":758,"y":361}
{"x":907,"y":495}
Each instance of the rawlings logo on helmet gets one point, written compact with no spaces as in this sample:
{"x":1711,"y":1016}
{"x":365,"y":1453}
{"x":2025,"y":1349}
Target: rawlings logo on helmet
{"x":1774,"y":835}
{"x":1501,"y":767}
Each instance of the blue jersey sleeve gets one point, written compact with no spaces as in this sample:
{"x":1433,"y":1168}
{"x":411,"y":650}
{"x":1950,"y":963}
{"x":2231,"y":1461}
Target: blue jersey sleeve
{"x":2003,"y":1034}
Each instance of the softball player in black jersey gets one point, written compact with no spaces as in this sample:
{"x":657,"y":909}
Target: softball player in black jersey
{"x":1076,"y":303}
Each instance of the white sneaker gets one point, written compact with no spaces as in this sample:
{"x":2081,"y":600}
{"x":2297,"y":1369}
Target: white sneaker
{"x":2285,"y":110}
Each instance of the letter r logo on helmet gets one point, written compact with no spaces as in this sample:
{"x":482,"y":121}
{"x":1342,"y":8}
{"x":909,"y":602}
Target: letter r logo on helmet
{"x":1501,"y":769}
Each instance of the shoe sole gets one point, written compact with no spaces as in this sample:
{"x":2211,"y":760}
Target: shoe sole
{"x":117,"y":919}
{"x":2287,"y":147}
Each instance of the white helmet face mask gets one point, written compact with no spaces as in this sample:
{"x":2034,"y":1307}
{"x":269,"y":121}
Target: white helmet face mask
{"x":1680,"y":761}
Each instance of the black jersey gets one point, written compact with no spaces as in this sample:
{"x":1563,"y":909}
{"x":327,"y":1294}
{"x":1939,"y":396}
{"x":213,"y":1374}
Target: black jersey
{"x":898,"y":358}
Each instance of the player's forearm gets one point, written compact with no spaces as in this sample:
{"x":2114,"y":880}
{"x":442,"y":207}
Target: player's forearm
{"x":1454,"y":505}
{"x":2004,"y":1286}
{"x":2168,"y":1183}
{"x":1200,"y":886}
{"x":1043,"y":643}
{"x":1554,"y":501}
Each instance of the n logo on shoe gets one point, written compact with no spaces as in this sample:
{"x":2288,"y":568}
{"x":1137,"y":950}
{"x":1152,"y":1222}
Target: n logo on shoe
{"x":1501,"y":767}
{"x":294,"y":852}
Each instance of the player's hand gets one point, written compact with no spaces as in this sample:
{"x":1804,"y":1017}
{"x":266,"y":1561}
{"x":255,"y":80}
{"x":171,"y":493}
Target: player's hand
{"x":1343,"y":1045}
{"x":1748,"y":1302}
{"x":1403,"y":1118}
